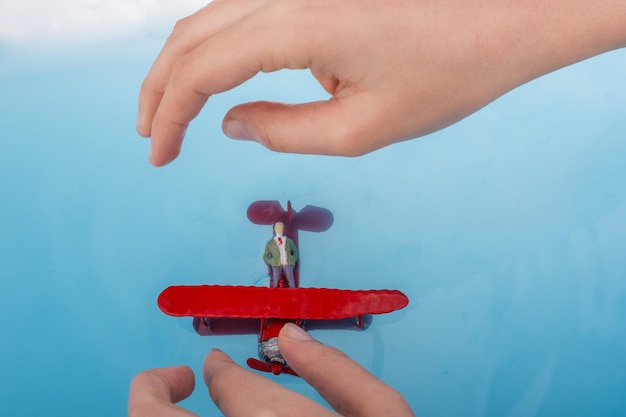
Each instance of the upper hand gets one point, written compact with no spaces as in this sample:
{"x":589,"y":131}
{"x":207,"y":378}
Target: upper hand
{"x":395,"y":69}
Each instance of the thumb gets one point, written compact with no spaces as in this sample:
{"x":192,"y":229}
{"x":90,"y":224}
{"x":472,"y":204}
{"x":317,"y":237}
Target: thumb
{"x":308,"y":357}
{"x":334,"y":375}
{"x":347,"y":126}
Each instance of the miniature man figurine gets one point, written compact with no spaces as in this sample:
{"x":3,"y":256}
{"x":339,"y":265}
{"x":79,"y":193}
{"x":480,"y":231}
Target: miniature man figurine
{"x":281,"y":254}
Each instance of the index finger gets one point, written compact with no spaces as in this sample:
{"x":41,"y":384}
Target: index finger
{"x":263,"y":42}
{"x":238,"y":392}
{"x":186,"y":35}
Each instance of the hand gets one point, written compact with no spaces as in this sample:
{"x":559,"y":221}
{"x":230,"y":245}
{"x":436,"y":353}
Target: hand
{"x":237,"y":392}
{"x":396,"y":69}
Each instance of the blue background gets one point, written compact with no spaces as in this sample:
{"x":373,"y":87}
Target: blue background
{"x":507,"y":231}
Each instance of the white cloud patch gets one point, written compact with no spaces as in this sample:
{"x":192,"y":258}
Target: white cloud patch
{"x":67,"y":21}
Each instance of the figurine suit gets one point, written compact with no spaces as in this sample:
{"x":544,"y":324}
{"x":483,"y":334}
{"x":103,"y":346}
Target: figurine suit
{"x":272,"y":259}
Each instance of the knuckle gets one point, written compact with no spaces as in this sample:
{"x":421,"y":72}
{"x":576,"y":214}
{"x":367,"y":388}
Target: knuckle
{"x":272,"y":143}
{"x":180,"y":69}
{"x":181,"y":27}
{"x":269,"y":133}
{"x":343,"y":140}
{"x":287,"y":46}
{"x":142,"y":379}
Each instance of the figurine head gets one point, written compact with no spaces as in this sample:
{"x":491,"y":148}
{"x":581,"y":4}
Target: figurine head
{"x":279,"y":228}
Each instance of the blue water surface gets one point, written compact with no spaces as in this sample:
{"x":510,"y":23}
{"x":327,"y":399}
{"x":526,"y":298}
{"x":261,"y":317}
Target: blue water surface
{"x":507,"y":231}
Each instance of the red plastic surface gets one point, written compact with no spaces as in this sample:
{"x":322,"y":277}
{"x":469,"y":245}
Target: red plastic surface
{"x":275,"y":368}
{"x":272,"y":327}
{"x":288,"y":303}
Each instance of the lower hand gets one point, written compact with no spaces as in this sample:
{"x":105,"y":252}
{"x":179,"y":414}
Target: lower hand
{"x":345,"y":385}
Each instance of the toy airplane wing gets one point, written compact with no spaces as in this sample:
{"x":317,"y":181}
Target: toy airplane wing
{"x":288,"y":303}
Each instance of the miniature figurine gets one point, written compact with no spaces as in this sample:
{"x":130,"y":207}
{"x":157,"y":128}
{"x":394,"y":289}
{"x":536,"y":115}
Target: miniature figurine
{"x":281,"y":255}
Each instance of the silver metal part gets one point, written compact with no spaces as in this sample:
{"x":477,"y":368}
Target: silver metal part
{"x":269,"y":352}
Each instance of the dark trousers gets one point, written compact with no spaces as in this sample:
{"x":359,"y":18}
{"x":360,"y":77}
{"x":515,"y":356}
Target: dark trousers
{"x":277,"y":270}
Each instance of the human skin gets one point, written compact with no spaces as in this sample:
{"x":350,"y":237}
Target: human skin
{"x":348,"y":388}
{"x":395,"y":69}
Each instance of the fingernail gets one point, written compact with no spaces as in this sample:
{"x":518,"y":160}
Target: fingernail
{"x":296,"y":333}
{"x":234,"y":129}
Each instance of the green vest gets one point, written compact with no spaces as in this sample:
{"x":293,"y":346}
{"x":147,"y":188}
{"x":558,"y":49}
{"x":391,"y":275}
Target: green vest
{"x":272,"y":253}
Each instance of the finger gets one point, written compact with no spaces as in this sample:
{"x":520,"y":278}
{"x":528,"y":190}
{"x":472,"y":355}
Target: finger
{"x":221,"y":63}
{"x":347,"y":386}
{"x":238,"y":392}
{"x":348,"y":126}
{"x":154,"y":392}
{"x":186,"y":35}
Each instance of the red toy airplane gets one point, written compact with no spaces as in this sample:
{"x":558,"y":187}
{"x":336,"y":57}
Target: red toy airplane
{"x":225,"y":309}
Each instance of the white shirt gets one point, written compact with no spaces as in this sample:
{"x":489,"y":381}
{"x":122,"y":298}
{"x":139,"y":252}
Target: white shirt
{"x":280,"y":241}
